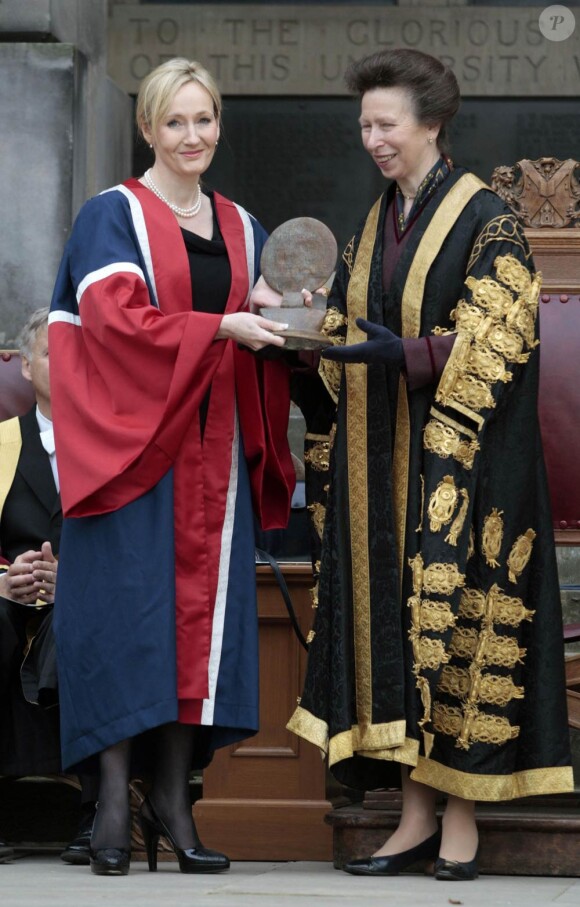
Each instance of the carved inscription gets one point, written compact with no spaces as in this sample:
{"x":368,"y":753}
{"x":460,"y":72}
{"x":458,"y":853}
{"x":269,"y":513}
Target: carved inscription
{"x":304,"y":50}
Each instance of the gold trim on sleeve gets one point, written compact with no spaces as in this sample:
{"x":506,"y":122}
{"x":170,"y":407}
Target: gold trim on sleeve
{"x":504,"y":228}
{"x":446,"y":442}
{"x":447,"y":420}
{"x":488,"y":294}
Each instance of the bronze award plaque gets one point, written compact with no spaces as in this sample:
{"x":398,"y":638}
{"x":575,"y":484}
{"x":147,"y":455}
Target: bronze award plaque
{"x":300,"y":253}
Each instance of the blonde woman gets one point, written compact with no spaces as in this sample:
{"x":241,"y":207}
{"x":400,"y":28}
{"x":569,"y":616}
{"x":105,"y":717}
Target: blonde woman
{"x":170,"y":438}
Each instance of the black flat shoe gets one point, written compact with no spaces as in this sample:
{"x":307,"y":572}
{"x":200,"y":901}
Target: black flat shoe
{"x":110,"y":861}
{"x":454,"y":871}
{"x":195,"y":859}
{"x":77,"y":853}
{"x":393,"y":864}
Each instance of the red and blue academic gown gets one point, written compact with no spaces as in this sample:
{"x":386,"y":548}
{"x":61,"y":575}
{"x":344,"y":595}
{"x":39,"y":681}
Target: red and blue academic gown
{"x":155,"y":617}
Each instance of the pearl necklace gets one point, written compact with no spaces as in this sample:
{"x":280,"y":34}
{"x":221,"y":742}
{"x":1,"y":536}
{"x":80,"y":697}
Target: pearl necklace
{"x":180,"y":212}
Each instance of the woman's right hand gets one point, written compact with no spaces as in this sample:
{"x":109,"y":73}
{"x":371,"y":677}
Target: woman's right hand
{"x":250,"y":330}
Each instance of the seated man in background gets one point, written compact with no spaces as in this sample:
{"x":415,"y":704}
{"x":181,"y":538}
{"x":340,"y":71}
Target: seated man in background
{"x":30,"y":525}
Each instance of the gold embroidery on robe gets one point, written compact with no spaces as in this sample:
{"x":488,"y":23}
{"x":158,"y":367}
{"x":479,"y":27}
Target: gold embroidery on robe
{"x":447,"y":420}
{"x":318,"y":512}
{"x":510,"y":610}
{"x":490,"y":295}
{"x":496,"y":689}
{"x":520,"y":554}
{"x":314,"y":595}
{"x":420,"y":526}
{"x":329,"y":371}
{"x":471,"y":543}
{"x":503,"y":651}
{"x":457,"y":524}
{"x":487,"y":365}
{"x":416,"y":565}
{"x":504,"y":227}
{"x":348,"y":255}
{"x":446,"y":442}
{"x":482,"y":728}
{"x":333,"y":321}
{"x":454,"y":681}
{"x":485,"y":647}
{"x":442,"y":579}
{"x":525,"y":323}
{"x":468,"y":318}
{"x":507,"y":343}
{"x":436,"y":616}
{"x":464,"y":642}
{"x":472,"y":725}
{"x":517,"y":277}
{"x":492,"y":537}
{"x":471,"y":604}
{"x":318,"y":456}
{"x":493,"y":689}
{"x":442,"y":504}
{"x":429,"y":653}
{"x":471,"y":392}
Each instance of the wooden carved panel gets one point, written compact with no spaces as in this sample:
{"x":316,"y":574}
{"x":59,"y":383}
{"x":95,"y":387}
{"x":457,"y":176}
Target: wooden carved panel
{"x":542,"y":193}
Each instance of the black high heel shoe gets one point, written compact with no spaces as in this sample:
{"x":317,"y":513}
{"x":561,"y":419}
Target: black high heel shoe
{"x":393,"y":864}
{"x":110,"y":861}
{"x":195,"y":859}
{"x":454,"y":871}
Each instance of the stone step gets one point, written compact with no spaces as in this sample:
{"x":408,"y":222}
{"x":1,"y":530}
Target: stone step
{"x":518,"y":838}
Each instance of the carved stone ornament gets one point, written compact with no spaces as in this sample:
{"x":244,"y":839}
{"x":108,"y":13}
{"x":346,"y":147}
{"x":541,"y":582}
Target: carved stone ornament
{"x":542,"y":193}
{"x":300,"y":253}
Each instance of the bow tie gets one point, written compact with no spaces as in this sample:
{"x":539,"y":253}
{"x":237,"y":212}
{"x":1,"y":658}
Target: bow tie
{"x":47,"y":440}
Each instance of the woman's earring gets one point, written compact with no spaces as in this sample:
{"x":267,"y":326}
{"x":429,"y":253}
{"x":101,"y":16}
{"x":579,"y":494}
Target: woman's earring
{"x":217,"y":143}
{"x":150,"y":145}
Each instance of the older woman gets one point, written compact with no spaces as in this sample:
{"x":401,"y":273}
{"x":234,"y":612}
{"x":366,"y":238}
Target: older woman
{"x":169,"y":435}
{"x":436,"y":661}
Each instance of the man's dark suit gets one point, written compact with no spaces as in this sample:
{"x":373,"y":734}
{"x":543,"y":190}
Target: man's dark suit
{"x":31,"y":515}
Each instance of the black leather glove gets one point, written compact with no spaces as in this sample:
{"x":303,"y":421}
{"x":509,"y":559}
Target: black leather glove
{"x":382,"y":347}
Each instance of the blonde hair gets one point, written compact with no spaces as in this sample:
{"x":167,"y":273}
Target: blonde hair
{"x":158,"y":88}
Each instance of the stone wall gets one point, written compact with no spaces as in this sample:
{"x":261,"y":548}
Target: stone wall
{"x":67,"y":134}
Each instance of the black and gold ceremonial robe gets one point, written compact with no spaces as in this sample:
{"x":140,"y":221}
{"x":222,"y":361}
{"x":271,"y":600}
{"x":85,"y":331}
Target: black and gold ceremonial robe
{"x":437,"y":641}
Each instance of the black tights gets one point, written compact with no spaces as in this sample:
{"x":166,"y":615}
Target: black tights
{"x":169,"y":792}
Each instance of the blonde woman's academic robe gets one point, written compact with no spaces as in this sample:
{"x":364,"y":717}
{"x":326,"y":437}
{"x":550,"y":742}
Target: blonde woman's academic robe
{"x":437,"y":641}
{"x":155,"y":616}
